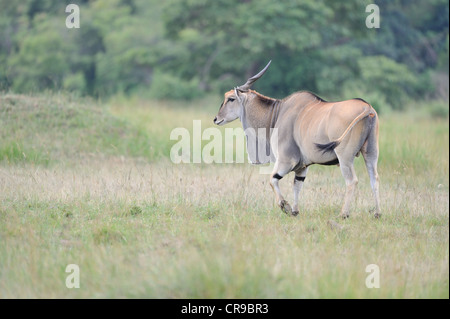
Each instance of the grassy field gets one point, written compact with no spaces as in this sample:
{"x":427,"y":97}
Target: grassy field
{"x":91,"y":184}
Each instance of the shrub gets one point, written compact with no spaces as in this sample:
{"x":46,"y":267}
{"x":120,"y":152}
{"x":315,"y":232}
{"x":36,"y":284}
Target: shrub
{"x":75,"y":83}
{"x":167,"y":86}
{"x":374,"y":98}
{"x":438,"y":109}
{"x":392,"y":80}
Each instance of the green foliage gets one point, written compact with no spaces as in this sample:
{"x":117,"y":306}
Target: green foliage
{"x":438,"y":109}
{"x":75,"y":82}
{"x":394,"y":82}
{"x":13,"y":153}
{"x":238,"y":38}
{"x":375,"y":98}
{"x":183,"y":49}
{"x":41,"y":62}
{"x":167,"y":86}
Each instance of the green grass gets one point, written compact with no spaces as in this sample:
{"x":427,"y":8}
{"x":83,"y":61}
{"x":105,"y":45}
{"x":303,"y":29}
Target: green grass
{"x":45,"y":129}
{"x":151,"y":229}
{"x":12,"y":152}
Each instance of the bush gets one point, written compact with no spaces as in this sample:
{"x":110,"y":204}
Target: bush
{"x":438,"y":109}
{"x":374,"y":98}
{"x":391,"y":80}
{"x":167,"y":86}
{"x":75,"y":83}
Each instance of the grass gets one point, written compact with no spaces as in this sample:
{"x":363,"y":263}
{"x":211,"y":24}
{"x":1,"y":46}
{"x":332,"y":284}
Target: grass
{"x":44,"y":129}
{"x":151,"y":229}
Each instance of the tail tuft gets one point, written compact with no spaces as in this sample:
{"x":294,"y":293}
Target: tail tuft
{"x":329,"y":147}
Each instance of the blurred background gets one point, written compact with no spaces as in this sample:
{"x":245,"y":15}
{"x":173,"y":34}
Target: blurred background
{"x":184,"y":50}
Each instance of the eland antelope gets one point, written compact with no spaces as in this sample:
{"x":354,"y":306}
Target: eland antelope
{"x":310,"y":131}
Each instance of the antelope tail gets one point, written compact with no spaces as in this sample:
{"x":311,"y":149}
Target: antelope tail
{"x":329,"y":147}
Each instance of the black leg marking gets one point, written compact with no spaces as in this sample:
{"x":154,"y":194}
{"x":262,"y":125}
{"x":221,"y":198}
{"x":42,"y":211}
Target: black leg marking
{"x":300,"y":178}
{"x":277,"y":176}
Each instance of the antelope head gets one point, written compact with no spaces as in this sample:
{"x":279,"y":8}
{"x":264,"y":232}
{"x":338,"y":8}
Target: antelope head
{"x":232,"y":105}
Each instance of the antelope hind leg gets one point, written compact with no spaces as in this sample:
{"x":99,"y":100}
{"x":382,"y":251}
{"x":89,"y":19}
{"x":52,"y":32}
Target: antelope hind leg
{"x":348,"y":171}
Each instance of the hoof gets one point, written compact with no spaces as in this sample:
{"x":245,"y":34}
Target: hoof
{"x":376,"y":213}
{"x":344,"y":216}
{"x":295,"y":213}
{"x":285,"y":207}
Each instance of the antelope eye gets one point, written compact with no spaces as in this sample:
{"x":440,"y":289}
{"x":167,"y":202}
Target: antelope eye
{"x":230,"y":99}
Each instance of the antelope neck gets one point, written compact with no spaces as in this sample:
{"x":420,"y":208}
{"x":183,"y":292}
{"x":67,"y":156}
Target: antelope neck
{"x":260,"y":112}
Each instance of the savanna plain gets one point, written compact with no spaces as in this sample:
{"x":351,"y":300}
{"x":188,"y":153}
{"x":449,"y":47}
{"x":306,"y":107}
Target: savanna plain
{"x":91,"y":183}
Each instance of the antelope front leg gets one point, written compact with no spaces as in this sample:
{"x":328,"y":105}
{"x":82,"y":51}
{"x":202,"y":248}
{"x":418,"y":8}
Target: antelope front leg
{"x":284,"y":205}
{"x":275,"y":177}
